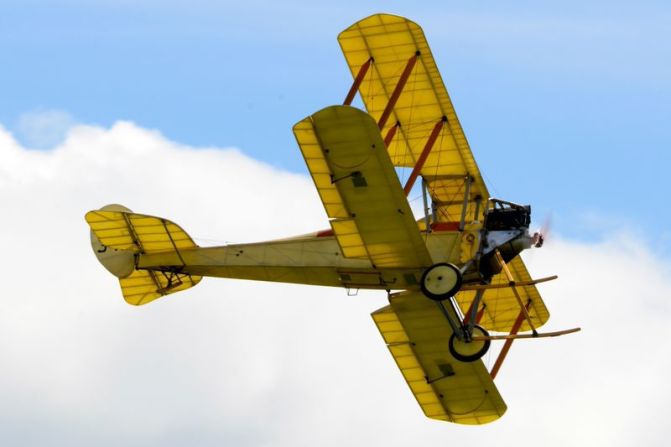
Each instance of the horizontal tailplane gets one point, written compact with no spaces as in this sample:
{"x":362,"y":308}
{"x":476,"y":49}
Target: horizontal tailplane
{"x":119,"y":236}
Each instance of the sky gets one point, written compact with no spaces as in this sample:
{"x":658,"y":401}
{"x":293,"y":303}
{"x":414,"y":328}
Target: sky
{"x":184,"y":110}
{"x":565,"y":104}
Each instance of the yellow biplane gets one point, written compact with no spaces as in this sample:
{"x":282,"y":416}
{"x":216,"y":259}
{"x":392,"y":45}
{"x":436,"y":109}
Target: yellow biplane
{"x":452,"y":276}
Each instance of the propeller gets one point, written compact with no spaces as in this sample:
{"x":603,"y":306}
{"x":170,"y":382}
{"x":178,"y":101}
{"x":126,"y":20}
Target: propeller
{"x":542,"y":235}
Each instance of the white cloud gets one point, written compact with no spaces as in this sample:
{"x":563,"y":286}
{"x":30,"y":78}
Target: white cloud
{"x":242,"y":363}
{"x":44,"y":129}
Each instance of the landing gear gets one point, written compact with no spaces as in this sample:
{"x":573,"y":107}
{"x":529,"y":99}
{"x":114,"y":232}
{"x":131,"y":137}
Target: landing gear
{"x":441,"y":281}
{"x":469,"y":350}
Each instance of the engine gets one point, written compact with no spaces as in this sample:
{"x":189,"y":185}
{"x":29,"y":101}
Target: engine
{"x":506,"y":229}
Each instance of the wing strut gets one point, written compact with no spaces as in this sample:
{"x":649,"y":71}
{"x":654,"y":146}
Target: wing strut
{"x":511,"y":280}
{"x":391,"y":133}
{"x":523,"y":315}
{"x":506,"y":346}
{"x":397,"y":90}
{"x":478,"y":314}
{"x":357,"y":81}
{"x":425,"y":154}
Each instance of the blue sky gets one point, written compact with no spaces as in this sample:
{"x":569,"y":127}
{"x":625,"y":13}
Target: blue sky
{"x":565,"y":104}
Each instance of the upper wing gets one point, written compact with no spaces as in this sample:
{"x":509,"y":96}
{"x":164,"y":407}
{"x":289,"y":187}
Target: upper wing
{"x":501,"y":308}
{"x":359,"y":187}
{"x":417,"y":334}
{"x":400,"y":53}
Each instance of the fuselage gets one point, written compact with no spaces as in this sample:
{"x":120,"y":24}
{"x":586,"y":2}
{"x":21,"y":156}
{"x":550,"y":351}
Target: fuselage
{"x":308,"y":259}
{"x":317,"y":258}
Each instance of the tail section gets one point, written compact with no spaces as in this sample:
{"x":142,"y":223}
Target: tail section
{"x":119,"y":237}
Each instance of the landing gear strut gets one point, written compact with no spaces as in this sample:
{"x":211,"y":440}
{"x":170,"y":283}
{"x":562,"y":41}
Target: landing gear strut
{"x":440,"y":283}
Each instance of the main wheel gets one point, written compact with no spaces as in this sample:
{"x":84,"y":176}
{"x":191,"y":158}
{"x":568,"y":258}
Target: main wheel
{"x":472,"y":350}
{"x":441,"y":281}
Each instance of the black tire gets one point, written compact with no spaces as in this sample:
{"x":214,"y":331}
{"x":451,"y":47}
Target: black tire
{"x":440,"y":292}
{"x":474,"y":353}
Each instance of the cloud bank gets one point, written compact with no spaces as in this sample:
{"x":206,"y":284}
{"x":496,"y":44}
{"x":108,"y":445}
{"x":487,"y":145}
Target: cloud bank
{"x":242,"y":363}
